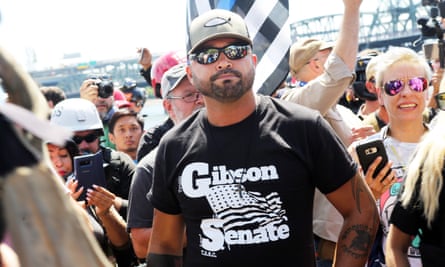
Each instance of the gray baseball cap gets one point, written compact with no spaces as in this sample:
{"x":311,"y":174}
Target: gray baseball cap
{"x":171,"y":78}
{"x":217,"y":23}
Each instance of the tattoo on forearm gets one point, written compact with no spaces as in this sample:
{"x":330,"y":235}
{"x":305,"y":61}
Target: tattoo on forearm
{"x":359,"y":237}
{"x":358,"y":187}
{"x":163,"y":260}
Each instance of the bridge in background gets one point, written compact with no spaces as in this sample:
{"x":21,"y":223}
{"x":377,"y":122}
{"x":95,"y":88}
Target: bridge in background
{"x":394,"y":23}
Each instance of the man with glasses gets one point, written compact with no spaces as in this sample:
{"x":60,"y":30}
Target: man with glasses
{"x":240,"y":174}
{"x":150,"y":139}
{"x":180,"y":100}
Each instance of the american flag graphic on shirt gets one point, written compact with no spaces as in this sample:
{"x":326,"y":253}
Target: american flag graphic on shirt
{"x":238,"y":208}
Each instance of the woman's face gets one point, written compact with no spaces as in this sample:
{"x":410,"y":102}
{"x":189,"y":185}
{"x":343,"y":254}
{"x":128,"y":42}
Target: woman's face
{"x":408,"y":105}
{"x":61,"y":159}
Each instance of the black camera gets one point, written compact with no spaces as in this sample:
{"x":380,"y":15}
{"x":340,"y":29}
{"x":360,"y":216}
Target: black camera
{"x":105,"y":88}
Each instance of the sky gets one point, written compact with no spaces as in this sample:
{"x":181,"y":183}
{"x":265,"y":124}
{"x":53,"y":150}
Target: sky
{"x":106,"y":29}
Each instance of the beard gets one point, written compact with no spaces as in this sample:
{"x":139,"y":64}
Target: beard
{"x":228,"y":91}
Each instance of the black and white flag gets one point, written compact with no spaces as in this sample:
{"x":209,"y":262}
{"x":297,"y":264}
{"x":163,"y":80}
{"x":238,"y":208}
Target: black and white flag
{"x":267,"y":21}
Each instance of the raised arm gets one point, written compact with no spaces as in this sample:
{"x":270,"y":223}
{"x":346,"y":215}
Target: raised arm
{"x":356,"y":204}
{"x":346,"y":46}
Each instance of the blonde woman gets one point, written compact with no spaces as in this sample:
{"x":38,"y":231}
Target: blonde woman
{"x":421,"y":207}
{"x":402,"y":77}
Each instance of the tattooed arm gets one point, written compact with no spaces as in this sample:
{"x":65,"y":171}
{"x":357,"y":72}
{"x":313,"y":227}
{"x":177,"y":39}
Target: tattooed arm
{"x":166,"y":242}
{"x":357,"y":206}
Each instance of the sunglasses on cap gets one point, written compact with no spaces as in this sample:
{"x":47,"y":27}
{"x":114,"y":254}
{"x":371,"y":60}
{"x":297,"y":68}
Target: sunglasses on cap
{"x":211,"y":55}
{"x":440,"y":100}
{"x":417,"y":84}
{"x":89,"y":138}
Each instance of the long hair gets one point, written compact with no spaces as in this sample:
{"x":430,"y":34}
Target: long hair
{"x":425,"y":169}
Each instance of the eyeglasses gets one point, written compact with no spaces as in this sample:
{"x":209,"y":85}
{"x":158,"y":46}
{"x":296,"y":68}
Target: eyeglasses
{"x":89,"y":138}
{"x":188,"y":98}
{"x":440,"y":100}
{"x":211,"y":55}
{"x":418,"y":84}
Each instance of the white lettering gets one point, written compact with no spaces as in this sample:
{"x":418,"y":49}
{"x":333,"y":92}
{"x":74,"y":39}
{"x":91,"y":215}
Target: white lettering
{"x":196,"y":178}
{"x":262,"y":234}
{"x":192,"y":184}
{"x":213,"y":239}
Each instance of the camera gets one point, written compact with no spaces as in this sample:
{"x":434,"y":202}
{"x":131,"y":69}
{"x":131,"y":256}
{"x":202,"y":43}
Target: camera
{"x":105,"y":88}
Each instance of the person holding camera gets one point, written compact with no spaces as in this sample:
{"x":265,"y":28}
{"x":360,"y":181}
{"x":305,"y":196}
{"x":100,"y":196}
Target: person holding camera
{"x":99,"y":90}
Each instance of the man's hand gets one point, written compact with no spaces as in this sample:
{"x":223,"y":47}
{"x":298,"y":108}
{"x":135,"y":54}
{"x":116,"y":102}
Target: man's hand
{"x":359,"y":133}
{"x":145,"y":58}
{"x":89,"y":90}
{"x":101,"y":198}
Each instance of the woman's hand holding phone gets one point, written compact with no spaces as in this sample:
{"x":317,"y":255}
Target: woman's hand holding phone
{"x":381,"y":181}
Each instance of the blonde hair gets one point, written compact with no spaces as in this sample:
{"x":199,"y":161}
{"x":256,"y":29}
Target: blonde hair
{"x":395,"y":55}
{"x":425,"y":170}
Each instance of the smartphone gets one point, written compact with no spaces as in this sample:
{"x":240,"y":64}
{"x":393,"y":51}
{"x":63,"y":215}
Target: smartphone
{"x":88,"y":170}
{"x":368,"y":151}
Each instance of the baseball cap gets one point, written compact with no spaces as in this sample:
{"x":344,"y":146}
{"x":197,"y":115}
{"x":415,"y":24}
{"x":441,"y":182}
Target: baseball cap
{"x":172,"y":78}
{"x":302,"y":51}
{"x":217,"y":23}
{"x":120,"y":99}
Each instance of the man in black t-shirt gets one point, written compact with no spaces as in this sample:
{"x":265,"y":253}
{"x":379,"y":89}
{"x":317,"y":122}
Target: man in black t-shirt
{"x":240,"y":175}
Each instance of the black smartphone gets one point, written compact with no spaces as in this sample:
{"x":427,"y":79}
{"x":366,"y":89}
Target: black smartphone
{"x":368,"y":151}
{"x":88,"y":170}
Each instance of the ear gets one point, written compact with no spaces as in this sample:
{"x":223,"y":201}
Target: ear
{"x":111,"y":138}
{"x":379,"y":93}
{"x":371,"y":87}
{"x":189,"y":74}
{"x":254,"y":59}
{"x":167,"y":106}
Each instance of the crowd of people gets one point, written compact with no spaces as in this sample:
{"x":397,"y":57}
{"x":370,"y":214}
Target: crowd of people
{"x":235,"y":178}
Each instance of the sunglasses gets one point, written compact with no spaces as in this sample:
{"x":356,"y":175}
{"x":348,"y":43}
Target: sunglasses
{"x":417,"y":84}
{"x":89,"y":138}
{"x":211,"y":55}
{"x":440,"y":100}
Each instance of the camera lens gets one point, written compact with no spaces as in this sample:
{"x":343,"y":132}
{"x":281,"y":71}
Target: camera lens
{"x":105,"y":89}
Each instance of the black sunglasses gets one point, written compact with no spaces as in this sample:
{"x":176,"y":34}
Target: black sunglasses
{"x":440,"y":100}
{"x":417,"y":84}
{"x":89,"y":138}
{"x":211,"y":55}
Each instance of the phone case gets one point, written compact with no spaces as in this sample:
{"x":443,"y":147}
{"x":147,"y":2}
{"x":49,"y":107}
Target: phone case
{"x":88,"y":170}
{"x":368,"y":151}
